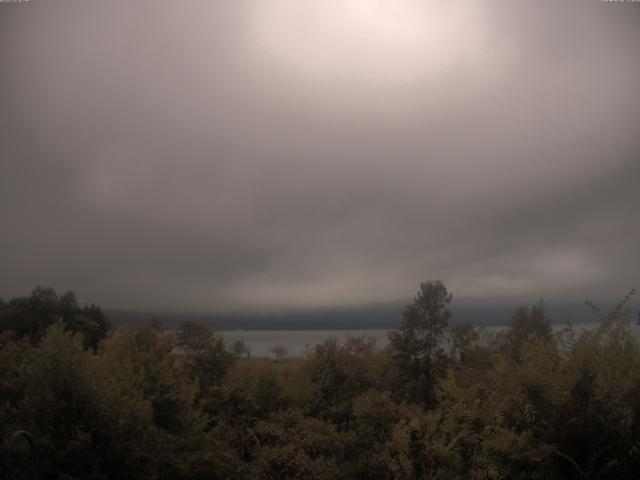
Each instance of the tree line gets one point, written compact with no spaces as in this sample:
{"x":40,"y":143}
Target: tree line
{"x":438,"y":402}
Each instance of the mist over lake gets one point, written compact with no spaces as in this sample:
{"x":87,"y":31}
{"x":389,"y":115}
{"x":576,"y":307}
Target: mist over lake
{"x":297,"y":342}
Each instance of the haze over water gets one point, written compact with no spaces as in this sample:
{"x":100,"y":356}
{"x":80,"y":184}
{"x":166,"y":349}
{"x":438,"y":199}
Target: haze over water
{"x":296,"y":342}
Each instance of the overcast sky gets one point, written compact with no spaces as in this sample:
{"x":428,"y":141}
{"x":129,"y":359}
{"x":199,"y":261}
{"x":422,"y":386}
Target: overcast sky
{"x":277,"y":154}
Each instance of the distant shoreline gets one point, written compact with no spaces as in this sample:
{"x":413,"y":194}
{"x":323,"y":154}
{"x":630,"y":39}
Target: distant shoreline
{"x":378,"y":317}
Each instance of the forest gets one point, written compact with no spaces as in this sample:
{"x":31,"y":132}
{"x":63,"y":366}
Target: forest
{"x":440,"y":401}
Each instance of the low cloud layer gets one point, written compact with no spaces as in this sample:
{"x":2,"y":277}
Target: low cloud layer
{"x":285,"y":155}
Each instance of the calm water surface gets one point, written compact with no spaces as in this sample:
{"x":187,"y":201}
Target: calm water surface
{"x":295,"y":341}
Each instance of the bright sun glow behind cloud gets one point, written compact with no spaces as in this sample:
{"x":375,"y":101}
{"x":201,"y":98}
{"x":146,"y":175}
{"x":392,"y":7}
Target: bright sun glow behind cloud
{"x":378,"y":41}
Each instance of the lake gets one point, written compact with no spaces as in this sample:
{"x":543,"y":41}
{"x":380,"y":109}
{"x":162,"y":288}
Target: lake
{"x":295,"y":341}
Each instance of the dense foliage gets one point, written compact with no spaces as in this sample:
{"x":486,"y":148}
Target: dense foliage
{"x":438,"y":402}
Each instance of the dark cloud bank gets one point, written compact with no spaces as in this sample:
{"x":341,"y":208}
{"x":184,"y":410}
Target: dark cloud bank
{"x":216,"y":157}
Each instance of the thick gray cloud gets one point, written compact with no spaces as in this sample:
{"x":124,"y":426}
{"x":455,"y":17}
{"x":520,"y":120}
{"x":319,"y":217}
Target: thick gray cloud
{"x":292,"y":154}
